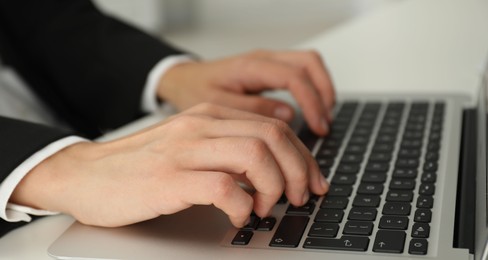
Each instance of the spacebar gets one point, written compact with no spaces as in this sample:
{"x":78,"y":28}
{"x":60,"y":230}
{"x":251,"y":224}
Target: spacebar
{"x":344,"y":243}
{"x":290,"y":231}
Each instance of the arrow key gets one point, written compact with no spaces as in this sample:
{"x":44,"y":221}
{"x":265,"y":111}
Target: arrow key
{"x":388,"y":241}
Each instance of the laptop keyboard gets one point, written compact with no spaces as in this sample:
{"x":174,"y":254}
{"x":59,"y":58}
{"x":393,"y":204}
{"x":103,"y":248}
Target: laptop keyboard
{"x":381,"y":160}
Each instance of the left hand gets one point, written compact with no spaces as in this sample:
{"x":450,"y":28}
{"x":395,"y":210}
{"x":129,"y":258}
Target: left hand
{"x":234,"y":81}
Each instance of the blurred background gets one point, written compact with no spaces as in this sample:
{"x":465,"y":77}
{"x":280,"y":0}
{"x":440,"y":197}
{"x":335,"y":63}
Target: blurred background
{"x":216,"y":28}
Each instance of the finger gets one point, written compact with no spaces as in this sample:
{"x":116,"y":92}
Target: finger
{"x":280,"y":75}
{"x":219,"y":189}
{"x":288,"y":157}
{"x":316,"y":69}
{"x":241,"y":155}
{"x":258,"y":104}
{"x":318,"y":184}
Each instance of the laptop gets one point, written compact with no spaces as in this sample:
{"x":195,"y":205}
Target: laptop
{"x":408,"y":181}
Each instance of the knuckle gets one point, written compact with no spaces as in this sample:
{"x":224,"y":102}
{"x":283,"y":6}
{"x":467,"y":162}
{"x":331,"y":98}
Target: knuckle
{"x":282,"y":125}
{"x":224,"y":186}
{"x":273,"y":132}
{"x":186,"y":122}
{"x":205,"y":107}
{"x":257,"y":149}
{"x":299,"y":73}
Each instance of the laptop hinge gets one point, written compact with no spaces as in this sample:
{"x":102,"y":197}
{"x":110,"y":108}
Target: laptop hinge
{"x":466,"y":193}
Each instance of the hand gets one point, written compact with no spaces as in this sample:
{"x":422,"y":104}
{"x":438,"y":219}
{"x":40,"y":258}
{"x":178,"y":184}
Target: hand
{"x":192,"y":158}
{"x":232,"y":81}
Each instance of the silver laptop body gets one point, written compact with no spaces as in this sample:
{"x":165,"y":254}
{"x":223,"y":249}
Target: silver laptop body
{"x":203,"y":232}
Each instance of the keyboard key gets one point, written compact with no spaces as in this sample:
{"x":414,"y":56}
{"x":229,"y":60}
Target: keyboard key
{"x":358,"y":228}
{"x":344,"y":179}
{"x":402,"y":184}
{"x":366,"y":201}
{"x":408,"y":153}
{"x":423,"y":215}
{"x":356,"y":149}
{"x":388,"y":241}
{"x":427,"y":189}
{"x":377,"y":167}
{"x":418,"y":246}
{"x":326,"y":153}
{"x":370,"y":189}
{"x":396,"y":208}
{"x":352,"y":158}
{"x":325,"y":163}
{"x":420,"y":230}
{"x":329,"y":215}
{"x":411,"y":144}
{"x":433,"y":147}
{"x":339,"y":191}
{"x":429,"y":177}
{"x":413,"y":135}
{"x":348,"y":168}
{"x":386,"y":139}
{"x":362,"y":213}
{"x":348,"y":243}
{"x":380,"y":157}
{"x":330,"y":202}
{"x":306,"y":209}
{"x":405,"y":173}
{"x":289,"y":232}
{"x":242,"y":238}
{"x":374,"y":177}
{"x":407,"y":163}
{"x":388,"y":130}
{"x":363,"y":130}
{"x":253,"y":223}
{"x":432,"y":156}
{"x":266,"y":224}
{"x":323,"y":230}
{"x":399,"y":196}
{"x":308,"y":137}
{"x":359,"y":140}
{"x":430,"y":166}
{"x":425,"y":202}
{"x":394,"y":222}
{"x":383,"y":148}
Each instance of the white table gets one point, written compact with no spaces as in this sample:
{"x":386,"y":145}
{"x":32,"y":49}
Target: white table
{"x":413,"y":45}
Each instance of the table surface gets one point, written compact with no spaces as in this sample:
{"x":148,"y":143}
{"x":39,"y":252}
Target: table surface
{"x":414,"y":45}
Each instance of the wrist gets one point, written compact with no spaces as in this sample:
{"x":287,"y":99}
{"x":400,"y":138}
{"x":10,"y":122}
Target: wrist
{"x":50,"y":184}
{"x":172,"y":82}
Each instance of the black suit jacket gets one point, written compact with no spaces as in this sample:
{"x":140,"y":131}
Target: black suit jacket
{"x":90,"y":70}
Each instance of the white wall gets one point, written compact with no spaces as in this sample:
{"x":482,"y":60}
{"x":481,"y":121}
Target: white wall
{"x":214,"y":28}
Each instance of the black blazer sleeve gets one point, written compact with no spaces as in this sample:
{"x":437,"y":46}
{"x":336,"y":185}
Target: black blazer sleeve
{"x":89,"y":68}
{"x":19,"y":140}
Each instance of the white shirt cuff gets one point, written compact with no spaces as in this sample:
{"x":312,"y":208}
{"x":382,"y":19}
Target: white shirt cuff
{"x":149,"y":96}
{"x":15,"y":213}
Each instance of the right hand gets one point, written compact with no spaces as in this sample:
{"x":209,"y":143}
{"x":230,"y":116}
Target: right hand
{"x":193,"y":158}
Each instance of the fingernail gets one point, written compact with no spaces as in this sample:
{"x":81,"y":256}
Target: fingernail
{"x":324,"y":183}
{"x":306,"y":196}
{"x":283,"y":113}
